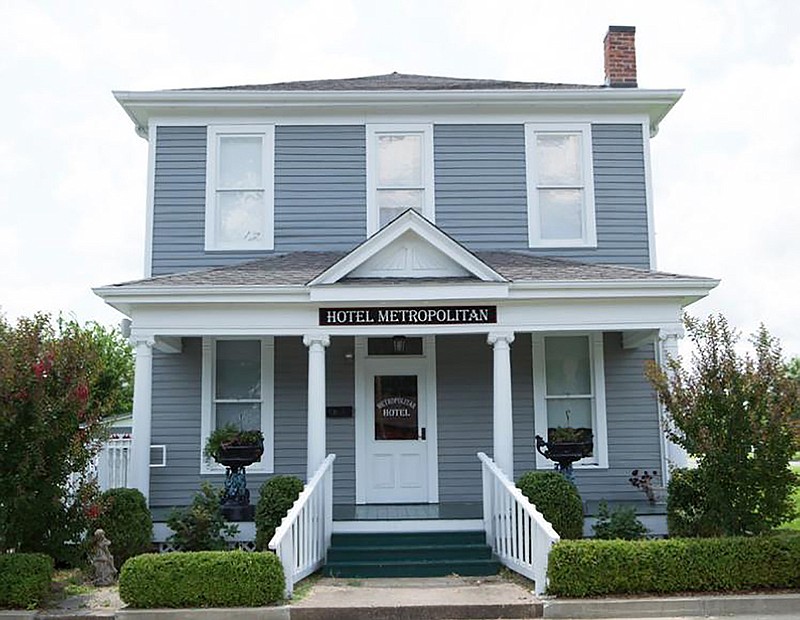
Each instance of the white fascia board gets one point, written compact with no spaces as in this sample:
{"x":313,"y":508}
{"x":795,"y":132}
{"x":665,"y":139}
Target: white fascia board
{"x":688,"y":290}
{"x":410,"y":221}
{"x":140,"y":106}
{"x":552,"y":316}
{"x":422,"y":292}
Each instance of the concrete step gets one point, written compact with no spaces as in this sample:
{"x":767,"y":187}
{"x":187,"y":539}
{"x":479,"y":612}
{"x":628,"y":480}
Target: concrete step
{"x":417,"y":599}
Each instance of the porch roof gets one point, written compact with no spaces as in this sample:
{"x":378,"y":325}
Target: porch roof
{"x":295,"y":269}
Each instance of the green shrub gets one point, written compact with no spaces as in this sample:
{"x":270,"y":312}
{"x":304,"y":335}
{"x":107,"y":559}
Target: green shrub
{"x":201,"y":526}
{"x":602,"y":567}
{"x":557,"y":499}
{"x":620,"y":524}
{"x":127,"y":523}
{"x":202,"y":579}
{"x":277,"y":495}
{"x":24,"y":579}
{"x":688,"y":511}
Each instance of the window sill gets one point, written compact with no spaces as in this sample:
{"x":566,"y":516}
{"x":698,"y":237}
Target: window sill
{"x":562,"y":244}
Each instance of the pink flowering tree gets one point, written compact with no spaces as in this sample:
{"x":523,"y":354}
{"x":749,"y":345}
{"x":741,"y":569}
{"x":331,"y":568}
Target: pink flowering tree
{"x":56,"y":386}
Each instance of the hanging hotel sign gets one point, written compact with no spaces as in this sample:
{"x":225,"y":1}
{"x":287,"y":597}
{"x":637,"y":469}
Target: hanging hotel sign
{"x":422,"y":315}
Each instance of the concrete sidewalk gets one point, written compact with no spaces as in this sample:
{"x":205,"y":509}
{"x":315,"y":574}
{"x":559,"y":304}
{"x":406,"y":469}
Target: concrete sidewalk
{"x":452,"y":598}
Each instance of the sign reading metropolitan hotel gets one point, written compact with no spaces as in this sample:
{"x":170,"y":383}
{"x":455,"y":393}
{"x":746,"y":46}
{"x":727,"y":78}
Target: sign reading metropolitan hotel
{"x":422,"y":315}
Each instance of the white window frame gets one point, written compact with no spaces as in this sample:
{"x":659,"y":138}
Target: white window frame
{"x":266,"y":464}
{"x":589,"y":238}
{"x":373,"y":132}
{"x":267,"y":135}
{"x":599,"y":459}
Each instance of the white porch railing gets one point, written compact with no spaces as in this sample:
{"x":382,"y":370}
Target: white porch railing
{"x":518,"y":534}
{"x":113,"y":464}
{"x":303,"y":537}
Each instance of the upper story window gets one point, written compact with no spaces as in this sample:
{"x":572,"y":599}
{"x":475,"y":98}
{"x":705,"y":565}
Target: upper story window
{"x":399,"y":172}
{"x":239,"y":187}
{"x":560,"y":186}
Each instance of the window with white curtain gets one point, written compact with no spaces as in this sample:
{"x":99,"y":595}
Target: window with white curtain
{"x":399,"y":172}
{"x":560,"y":186}
{"x":239,"y":187}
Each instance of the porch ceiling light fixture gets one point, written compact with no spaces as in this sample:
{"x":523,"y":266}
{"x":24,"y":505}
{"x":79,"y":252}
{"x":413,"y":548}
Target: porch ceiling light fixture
{"x":399,"y":344}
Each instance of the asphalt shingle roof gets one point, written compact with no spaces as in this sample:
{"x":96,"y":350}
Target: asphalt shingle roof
{"x":399,"y":81}
{"x":298,"y":268}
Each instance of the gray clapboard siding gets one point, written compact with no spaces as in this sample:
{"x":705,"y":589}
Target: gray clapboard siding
{"x":464,"y":406}
{"x":176,"y":420}
{"x":481,"y":196}
{"x":320,"y":194}
{"x":341,"y":437}
{"x":634,"y":436}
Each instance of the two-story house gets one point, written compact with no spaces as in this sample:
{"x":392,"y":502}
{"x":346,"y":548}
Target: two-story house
{"x":403,"y":271}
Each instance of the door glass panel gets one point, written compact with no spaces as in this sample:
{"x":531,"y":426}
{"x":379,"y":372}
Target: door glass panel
{"x":396,"y":412}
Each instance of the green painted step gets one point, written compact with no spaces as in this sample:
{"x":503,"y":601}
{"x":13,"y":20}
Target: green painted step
{"x":425,"y":554}
{"x":418,"y":552}
{"x":387,"y":539}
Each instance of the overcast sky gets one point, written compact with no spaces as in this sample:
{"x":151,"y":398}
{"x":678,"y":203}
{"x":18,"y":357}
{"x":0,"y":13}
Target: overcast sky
{"x":73,"y":172}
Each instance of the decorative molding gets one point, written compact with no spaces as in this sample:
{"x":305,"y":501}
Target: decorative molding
{"x":498,"y":338}
{"x":310,"y":340}
{"x":410,"y":225}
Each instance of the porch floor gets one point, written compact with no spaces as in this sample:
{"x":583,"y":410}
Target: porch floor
{"x":409,"y":512}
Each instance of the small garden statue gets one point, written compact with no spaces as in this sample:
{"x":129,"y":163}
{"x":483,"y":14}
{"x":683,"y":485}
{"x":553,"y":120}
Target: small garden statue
{"x":105,"y":574}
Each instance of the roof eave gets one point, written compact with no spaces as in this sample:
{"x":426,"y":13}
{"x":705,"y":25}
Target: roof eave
{"x":142,"y":105}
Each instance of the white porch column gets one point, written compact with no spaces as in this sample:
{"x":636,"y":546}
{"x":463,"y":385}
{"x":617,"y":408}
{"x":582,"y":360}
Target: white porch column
{"x":316,"y":344}
{"x":676,"y":455}
{"x":502,"y":411}
{"x":142,"y":414}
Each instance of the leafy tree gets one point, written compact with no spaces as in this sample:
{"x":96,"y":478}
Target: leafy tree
{"x":733,"y":413}
{"x":57,"y":382}
{"x":793,"y":370}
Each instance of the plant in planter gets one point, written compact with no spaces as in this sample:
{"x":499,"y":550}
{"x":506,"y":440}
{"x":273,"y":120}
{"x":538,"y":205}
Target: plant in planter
{"x":235,"y":449}
{"x":565,"y":445}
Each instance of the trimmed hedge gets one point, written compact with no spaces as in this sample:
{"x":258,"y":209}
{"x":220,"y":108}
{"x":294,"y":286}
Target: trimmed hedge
{"x":557,"y":499}
{"x":276,"y":497}
{"x":127,"y":523}
{"x":600,"y":567}
{"x":202,"y":579}
{"x":24,"y":579}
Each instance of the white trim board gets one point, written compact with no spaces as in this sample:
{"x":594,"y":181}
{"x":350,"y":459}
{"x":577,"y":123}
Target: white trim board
{"x":403,"y":526}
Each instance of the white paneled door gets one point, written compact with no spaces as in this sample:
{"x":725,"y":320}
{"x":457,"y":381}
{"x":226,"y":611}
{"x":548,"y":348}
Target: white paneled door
{"x":396,"y":431}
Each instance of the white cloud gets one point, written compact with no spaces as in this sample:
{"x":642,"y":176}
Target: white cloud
{"x":72,"y":172}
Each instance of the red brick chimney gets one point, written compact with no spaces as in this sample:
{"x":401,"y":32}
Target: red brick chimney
{"x":620,"y":56}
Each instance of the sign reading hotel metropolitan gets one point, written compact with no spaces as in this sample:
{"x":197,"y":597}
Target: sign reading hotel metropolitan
{"x":422,"y":315}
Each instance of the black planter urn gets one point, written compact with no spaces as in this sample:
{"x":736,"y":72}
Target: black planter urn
{"x":236,"y":497}
{"x":565,"y":453}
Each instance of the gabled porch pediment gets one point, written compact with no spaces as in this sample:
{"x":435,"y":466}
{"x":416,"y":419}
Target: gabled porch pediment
{"x":409,"y":247}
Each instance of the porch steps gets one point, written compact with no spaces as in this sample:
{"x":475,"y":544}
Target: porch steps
{"x":420,"y":554}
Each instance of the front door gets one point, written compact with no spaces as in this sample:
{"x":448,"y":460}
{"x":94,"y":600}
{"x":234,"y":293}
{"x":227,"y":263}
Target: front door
{"x":396,"y":412}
